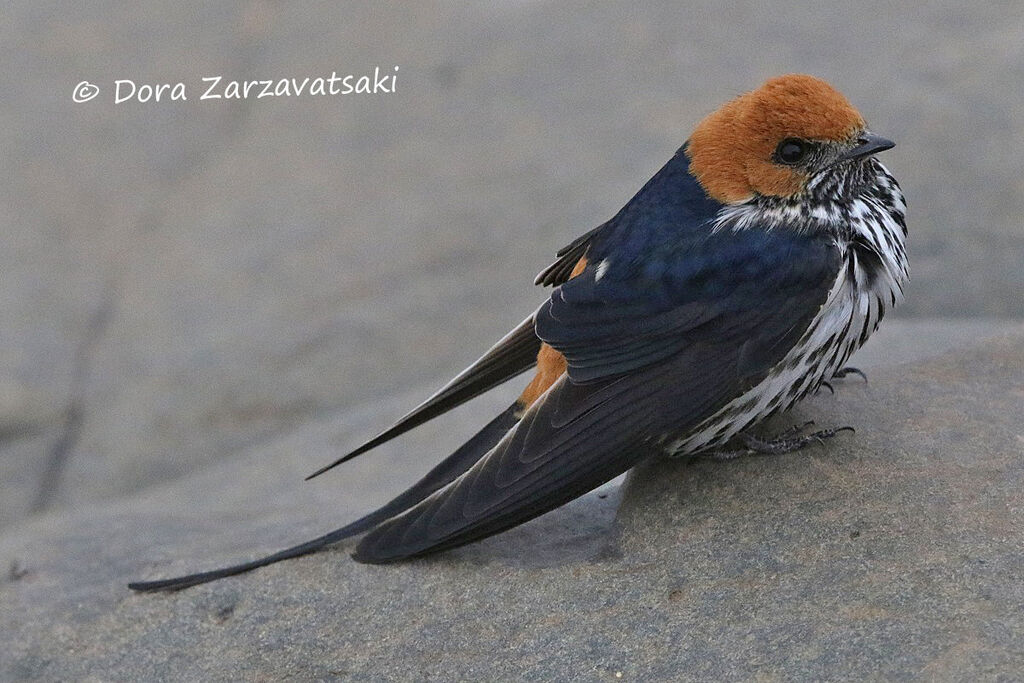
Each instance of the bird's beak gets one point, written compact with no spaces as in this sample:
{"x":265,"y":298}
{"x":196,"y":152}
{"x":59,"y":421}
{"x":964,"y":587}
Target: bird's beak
{"x":867,"y":144}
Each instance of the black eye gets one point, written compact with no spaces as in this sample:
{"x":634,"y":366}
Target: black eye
{"x":791,"y":151}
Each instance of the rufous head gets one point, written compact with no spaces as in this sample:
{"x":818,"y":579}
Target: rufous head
{"x":773,"y":140}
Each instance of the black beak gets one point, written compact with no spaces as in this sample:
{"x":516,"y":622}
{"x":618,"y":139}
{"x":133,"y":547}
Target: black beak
{"x":868,"y":144}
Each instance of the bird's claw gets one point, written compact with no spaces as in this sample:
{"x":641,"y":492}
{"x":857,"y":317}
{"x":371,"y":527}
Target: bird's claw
{"x":840,"y":374}
{"x":785,"y":442}
{"x":795,"y":429}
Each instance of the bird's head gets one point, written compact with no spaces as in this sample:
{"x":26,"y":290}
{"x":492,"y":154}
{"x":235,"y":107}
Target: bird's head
{"x":774,"y":140}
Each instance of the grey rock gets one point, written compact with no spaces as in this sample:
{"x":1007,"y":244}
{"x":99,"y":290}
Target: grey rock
{"x":894,"y":554}
{"x":891,"y":554}
{"x":904,"y":341}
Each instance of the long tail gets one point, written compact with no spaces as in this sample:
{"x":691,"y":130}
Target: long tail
{"x":447,"y":471}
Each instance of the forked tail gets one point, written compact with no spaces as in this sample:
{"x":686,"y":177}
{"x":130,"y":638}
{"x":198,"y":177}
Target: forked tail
{"x":446,"y":472}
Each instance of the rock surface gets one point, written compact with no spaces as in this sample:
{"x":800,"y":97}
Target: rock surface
{"x":894,"y":553}
{"x":191,"y":278}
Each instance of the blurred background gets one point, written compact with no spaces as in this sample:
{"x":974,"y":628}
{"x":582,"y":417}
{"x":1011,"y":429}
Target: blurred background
{"x":181,"y":280}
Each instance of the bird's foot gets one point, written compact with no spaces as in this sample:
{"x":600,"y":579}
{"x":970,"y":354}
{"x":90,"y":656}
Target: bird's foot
{"x":786,"y":442}
{"x":840,"y":374}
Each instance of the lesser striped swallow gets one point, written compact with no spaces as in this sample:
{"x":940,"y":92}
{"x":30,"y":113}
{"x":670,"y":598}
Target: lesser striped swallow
{"x":739,"y":279}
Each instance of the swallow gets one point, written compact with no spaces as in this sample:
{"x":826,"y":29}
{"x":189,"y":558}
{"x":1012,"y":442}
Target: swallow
{"x":737,"y":281}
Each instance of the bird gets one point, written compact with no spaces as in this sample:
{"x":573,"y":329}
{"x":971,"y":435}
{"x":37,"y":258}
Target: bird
{"x":737,"y":281}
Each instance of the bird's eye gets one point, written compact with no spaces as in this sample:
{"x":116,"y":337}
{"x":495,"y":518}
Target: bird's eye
{"x":791,"y":151}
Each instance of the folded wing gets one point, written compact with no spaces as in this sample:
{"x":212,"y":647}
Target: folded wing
{"x":652,"y":352}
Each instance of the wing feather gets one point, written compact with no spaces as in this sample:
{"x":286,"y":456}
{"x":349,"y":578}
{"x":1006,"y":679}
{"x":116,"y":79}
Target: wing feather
{"x":633,"y":381}
{"x":561,"y":270}
{"x":512,"y":355}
